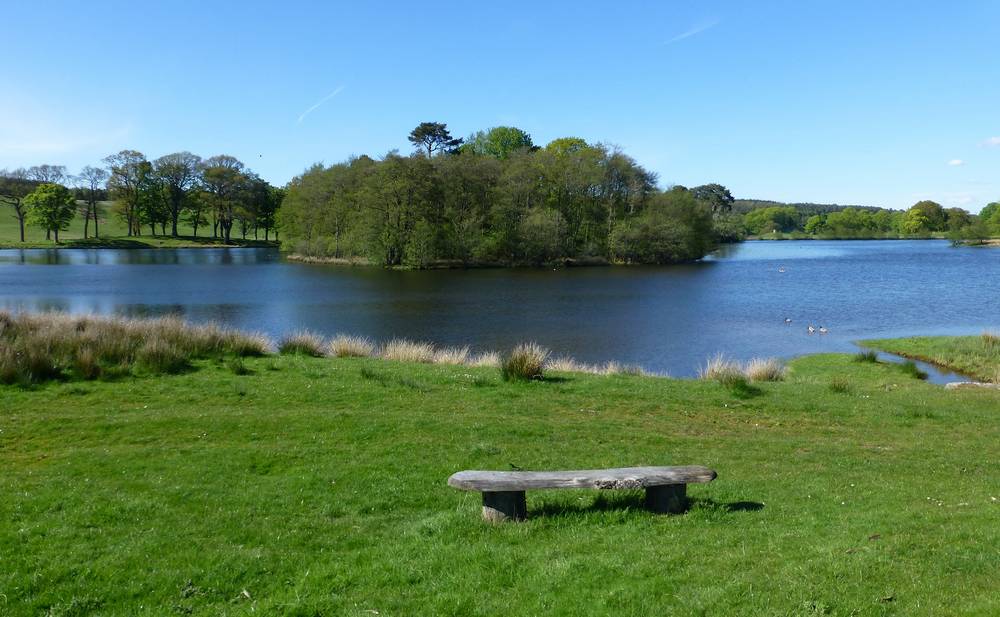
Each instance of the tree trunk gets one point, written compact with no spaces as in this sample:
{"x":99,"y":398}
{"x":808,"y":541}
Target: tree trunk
{"x":86,"y":223}
{"x":48,"y":234}
{"x":96,"y":234}
{"x":20,"y":221}
{"x":57,"y":235}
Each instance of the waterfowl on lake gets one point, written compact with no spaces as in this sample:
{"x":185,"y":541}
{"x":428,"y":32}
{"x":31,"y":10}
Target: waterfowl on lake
{"x":823,"y":330}
{"x":788,"y":320}
{"x":811,"y":329}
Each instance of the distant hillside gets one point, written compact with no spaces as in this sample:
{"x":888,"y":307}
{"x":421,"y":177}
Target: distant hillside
{"x":742,"y":206}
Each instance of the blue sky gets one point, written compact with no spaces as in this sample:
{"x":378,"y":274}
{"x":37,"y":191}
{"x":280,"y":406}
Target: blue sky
{"x":880,"y":103}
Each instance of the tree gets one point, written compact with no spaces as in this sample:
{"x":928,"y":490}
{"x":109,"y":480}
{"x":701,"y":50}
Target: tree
{"x":498,"y":142}
{"x":14,"y":187}
{"x":128,"y":172}
{"x":92,"y":179}
{"x":180,"y":173}
{"x":54,"y":174}
{"x":989,"y":211}
{"x":51,"y":207}
{"x":933,"y":212}
{"x":772,"y":219}
{"x":675,"y":227}
{"x":223,"y":178}
{"x":434,"y":137}
{"x":718,"y":197}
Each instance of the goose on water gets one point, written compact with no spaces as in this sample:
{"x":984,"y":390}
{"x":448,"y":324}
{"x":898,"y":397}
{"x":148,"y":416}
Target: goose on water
{"x":811,"y":329}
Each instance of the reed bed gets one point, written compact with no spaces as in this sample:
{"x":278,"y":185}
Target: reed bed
{"x":489,"y":359}
{"x":46,"y":346}
{"x":452,"y":355}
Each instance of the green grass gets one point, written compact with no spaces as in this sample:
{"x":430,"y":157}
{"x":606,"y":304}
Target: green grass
{"x":113,"y":235}
{"x":316,"y":486}
{"x":975,"y":356}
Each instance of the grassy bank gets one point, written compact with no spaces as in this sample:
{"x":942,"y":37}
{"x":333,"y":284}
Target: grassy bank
{"x":113,"y":235}
{"x":306,"y":486}
{"x":976,"y":356}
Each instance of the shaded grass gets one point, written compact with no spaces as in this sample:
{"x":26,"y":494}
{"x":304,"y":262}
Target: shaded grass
{"x":319,"y":488}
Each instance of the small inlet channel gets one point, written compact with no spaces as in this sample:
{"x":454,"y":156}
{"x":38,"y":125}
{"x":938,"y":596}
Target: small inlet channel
{"x":935,"y":374}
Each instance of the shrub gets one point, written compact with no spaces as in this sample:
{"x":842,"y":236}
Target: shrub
{"x":345,"y":346}
{"x":765,"y":369}
{"x":910,"y":368}
{"x":868,"y":355}
{"x":524,"y":363}
{"x":404,"y":350}
{"x":302,"y":343}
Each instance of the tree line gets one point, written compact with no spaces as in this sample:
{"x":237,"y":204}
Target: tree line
{"x":924,"y":218}
{"x":497,"y":198}
{"x":165,"y":192}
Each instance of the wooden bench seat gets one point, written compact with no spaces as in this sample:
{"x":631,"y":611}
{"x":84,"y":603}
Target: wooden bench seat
{"x":503,"y":491}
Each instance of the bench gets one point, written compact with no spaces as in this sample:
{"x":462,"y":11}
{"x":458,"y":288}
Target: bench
{"x":503,"y":491}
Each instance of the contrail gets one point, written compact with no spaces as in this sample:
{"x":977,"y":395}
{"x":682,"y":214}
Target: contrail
{"x":693,"y":31}
{"x":326,"y":98}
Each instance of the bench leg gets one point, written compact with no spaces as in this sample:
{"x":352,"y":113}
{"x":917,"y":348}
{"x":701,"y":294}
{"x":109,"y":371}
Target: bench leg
{"x":504,"y":505}
{"x":667,"y":499}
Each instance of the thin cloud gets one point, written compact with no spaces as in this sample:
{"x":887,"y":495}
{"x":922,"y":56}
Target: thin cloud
{"x":955,"y":162}
{"x":693,"y":31}
{"x":326,"y":98}
{"x":992,"y":141}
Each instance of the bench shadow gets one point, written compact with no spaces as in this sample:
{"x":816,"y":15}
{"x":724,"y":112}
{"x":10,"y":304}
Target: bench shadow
{"x":633,"y":500}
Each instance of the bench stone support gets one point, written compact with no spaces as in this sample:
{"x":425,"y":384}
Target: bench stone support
{"x":666,"y":498}
{"x":499,"y":506}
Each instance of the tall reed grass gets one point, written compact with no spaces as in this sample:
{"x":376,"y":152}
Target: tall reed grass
{"x":45,"y":346}
{"x":526,"y":362}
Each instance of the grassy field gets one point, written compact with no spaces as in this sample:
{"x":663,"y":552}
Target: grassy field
{"x":976,"y":356}
{"x":113,"y":235}
{"x":316,"y":486}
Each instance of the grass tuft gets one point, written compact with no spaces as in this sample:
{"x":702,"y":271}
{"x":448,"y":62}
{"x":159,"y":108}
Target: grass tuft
{"x":452,"y":355}
{"x":765,"y":369}
{"x":488,"y":359}
{"x":525,"y":363}
{"x":867,"y":355}
{"x":347,"y":346}
{"x":721,"y":369}
{"x":403,"y":350}
{"x":303,"y":343}
{"x":840,"y":384}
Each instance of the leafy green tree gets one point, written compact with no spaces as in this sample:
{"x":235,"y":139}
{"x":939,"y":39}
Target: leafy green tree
{"x":542,"y":236}
{"x":916,"y":222}
{"x":718,"y":197}
{"x":936,"y":218}
{"x":179,"y":172}
{"x":498,"y":142}
{"x":224,"y":180}
{"x":989,"y":211}
{"x":433,"y":137}
{"x":129,"y":170}
{"x":815,"y":224}
{"x":674,"y":227}
{"x":771,"y":219}
{"x":51,"y":207}
{"x":14,"y":187}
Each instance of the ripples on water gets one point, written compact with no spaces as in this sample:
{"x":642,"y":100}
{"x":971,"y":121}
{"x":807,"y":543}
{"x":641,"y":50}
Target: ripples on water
{"x":664,"y":318}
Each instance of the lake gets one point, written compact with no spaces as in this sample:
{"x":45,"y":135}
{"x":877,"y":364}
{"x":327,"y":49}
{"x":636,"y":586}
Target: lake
{"x":667,"y":319}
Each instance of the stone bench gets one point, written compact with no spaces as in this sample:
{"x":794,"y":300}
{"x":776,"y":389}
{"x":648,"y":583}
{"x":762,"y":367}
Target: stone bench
{"x":503,"y":491}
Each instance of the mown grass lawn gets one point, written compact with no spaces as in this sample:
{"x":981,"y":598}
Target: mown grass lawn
{"x":113,"y":234}
{"x":317,"y":487}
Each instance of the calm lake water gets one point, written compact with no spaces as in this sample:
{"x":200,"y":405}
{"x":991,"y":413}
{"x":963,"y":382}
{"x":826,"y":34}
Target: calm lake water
{"x":664,"y":318}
